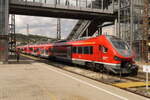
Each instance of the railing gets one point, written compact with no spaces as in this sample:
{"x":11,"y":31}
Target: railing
{"x":91,"y":4}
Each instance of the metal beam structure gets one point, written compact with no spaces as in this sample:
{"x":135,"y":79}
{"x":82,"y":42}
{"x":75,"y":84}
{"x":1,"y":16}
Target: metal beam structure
{"x":62,"y":9}
{"x":12,"y":34}
{"x":131,"y":19}
{"x":4,"y":6}
{"x":88,"y":27}
{"x":145,"y":31}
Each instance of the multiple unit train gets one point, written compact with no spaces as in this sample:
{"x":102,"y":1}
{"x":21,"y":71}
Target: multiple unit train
{"x":105,"y":53}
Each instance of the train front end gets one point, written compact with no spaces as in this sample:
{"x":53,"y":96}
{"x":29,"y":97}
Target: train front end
{"x":124,"y":55}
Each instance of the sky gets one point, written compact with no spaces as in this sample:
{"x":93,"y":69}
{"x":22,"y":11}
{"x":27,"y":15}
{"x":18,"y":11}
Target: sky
{"x":48,"y":26}
{"x":43,"y":26}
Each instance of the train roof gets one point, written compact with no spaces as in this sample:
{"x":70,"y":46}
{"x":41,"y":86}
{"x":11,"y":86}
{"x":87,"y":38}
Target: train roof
{"x":80,"y":41}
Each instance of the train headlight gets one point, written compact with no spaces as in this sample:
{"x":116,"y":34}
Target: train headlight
{"x":117,"y":58}
{"x":149,"y":44}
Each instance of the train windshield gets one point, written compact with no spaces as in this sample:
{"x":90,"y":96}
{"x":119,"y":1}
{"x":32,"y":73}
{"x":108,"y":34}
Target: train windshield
{"x":121,"y":46}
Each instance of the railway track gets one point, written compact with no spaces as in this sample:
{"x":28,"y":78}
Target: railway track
{"x":95,"y":75}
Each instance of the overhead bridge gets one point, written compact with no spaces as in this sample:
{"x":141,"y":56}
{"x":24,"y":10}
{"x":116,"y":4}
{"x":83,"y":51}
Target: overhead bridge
{"x":86,"y":28}
{"x":72,"y":9}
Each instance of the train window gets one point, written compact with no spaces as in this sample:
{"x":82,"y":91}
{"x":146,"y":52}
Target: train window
{"x":100,"y":48}
{"x":35,"y":50}
{"x":38,"y":49}
{"x":118,"y":43}
{"x":91,"y":50}
{"x":31,"y":49}
{"x":104,"y":49}
{"x":42,"y":51}
{"x":86,"y":50}
{"x":80,"y":50}
{"x":46,"y":51}
{"x":50,"y":50}
{"x":74,"y":49}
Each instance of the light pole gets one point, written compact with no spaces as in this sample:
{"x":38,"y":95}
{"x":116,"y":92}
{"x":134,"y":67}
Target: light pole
{"x":28,"y":35}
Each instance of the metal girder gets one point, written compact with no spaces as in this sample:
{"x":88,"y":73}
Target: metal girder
{"x":59,"y":11}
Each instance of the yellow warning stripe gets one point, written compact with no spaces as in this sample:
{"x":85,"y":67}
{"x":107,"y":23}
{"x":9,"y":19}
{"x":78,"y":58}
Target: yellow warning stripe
{"x":130,"y":84}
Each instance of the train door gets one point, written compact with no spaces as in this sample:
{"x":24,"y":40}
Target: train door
{"x":69,"y":53}
{"x":104,"y":53}
{"x":98,"y":53}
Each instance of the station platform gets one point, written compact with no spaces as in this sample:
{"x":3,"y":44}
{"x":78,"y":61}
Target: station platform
{"x":31,"y":79}
{"x":131,"y":84}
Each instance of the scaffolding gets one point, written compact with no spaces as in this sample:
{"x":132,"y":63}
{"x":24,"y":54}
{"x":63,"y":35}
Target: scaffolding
{"x":145,"y":31}
{"x":12,"y":34}
{"x":133,"y":25}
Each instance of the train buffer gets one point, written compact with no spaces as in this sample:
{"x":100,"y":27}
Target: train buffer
{"x":130,"y":84}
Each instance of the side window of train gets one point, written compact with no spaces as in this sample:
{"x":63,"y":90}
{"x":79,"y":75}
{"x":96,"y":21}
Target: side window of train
{"x":91,"y":50}
{"x":80,"y":50}
{"x":30,"y":49}
{"x":42,"y":50}
{"x":46,"y":51}
{"x":50,"y":50}
{"x":74,"y":49}
{"x":86,"y":50}
{"x":103,"y":49}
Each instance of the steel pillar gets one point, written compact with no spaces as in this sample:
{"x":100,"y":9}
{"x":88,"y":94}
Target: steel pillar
{"x":58,"y":29}
{"x":4,"y":11}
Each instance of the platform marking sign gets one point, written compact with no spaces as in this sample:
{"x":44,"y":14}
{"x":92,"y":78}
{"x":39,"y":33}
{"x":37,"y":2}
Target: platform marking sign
{"x":146,"y":68}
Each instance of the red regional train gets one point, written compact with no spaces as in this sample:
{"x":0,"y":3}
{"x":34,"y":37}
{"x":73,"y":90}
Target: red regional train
{"x":105,"y":53}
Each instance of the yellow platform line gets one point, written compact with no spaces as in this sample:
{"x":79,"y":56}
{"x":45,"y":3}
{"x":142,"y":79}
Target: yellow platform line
{"x":131,"y":84}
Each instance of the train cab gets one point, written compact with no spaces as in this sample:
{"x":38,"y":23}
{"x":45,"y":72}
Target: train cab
{"x":123,"y":56}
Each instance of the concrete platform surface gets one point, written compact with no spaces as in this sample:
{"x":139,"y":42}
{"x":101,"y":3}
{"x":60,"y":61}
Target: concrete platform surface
{"x":32,"y":80}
